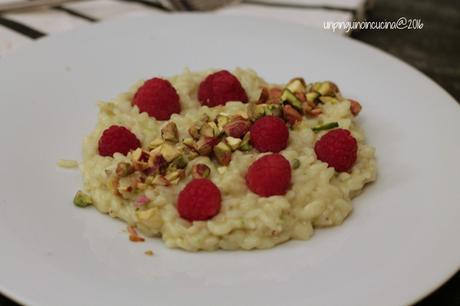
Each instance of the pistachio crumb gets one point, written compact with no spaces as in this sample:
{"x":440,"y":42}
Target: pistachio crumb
{"x":149,"y":253}
{"x":82,"y":199}
{"x":326,"y":126}
{"x":295,"y":163}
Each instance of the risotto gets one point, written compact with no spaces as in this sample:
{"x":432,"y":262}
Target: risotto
{"x":141,"y":186}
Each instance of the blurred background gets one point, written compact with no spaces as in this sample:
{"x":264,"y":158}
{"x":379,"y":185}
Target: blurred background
{"x":434,"y":49}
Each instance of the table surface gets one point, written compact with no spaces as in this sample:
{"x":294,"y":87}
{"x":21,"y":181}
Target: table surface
{"x":434,"y":50}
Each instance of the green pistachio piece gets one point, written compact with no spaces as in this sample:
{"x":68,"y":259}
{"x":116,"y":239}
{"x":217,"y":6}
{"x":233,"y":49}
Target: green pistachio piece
{"x":256,"y":111}
{"x":245,"y":143}
{"x":155,"y":143}
{"x":223,"y":153}
{"x":295,"y":163}
{"x":82,"y":199}
{"x":288,"y":97}
{"x":273,"y":110}
{"x":179,"y":163}
{"x":200,"y":171}
{"x":189,"y":142}
{"x":237,"y":127}
{"x":205,"y":145}
{"x":325,"y":88}
{"x":169,"y":132}
{"x":174,"y":176}
{"x":326,"y":126}
{"x":297,"y":85}
{"x":312,"y":96}
{"x":169,"y":152}
{"x":194,"y":131}
{"x":124,"y":169}
{"x":222,"y":120}
{"x":233,"y":142}
{"x":327,"y":99}
{"x":207,"y":130}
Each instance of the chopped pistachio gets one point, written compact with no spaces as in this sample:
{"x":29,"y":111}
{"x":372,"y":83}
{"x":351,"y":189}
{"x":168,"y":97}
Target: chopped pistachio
{"x":315,"y":112}
{"x":160,"y":181}
{"x":178,"y":174}
{"x":288,"y":97}
{"x":155,"y":143}
{"x":136,"y":155}
{"x":189,"y":142}
{"x":325,"y":88}
{"x":124,"y":169}
{"x":194,"y":131}
{"x":295,"y":163}
{"x":200,"y":171}
{"x":169,"y":152}
{"x":245,"y":145}
{"x":297,"y":85}
{"x":264,"y":95}
{"x":179,"y":163}
{"x":355,"y":107}
{"x":233,"y":142}
{"x":237,"y":127}
{"x":156,"y":150}
{"x":273,"y":110}
{"x":256,"y":111}
{"x":204,"y":118}
{"x":214,"y":126}
{"x":223,"y":153}
{"x":327,"y":99}
{"x":207,"y":130}
{"x":157,"y":164}
{"x":312,"y":96}
{"x":191,"y":154}
{"x":205,"y":145}
{"x":274,"y":95}
{"x":326,"y":126}
{"x":82,"y":199}
{"x":291,"y":114}
{"x":169,"y":132}
{"x":222,"y":120}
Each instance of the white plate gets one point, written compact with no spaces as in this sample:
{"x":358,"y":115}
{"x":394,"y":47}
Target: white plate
{"x":400,"y":243}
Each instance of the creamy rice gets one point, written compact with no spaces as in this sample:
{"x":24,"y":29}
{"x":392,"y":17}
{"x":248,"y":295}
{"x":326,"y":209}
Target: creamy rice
{"x":318,"y":196}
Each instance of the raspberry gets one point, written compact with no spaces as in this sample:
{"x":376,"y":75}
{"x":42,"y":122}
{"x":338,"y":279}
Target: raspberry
{"x":338,"y":149}
{"x":158,"y":98}
{"x":199,"y":200}
{"x":269,"y":134}
{"x":219,"y":88}
{"x":269,"y":175}
{"x":117,"y":139}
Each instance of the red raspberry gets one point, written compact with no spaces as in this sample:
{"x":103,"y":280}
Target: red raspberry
{"x":117,"y":139}
{"x":158,"y":98}
{"x":338,"y":149}
{"x":219,"y":88}
{"x":199,"y":200}
{"x":269,"y":175}
{"x":269,"y":134}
